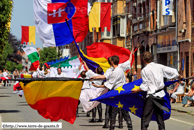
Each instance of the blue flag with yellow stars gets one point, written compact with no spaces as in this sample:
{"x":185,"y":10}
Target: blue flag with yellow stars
{"x":132,"y":102}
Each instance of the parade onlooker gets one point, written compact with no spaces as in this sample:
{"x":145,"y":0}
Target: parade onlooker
{"x":5,"y":74}
{"x":171,"y":87}
{"x":46,"y":72}
{"x":129,"y":78}
{"x":188,"y":97}
{"x":60,"y":73}
{"x":25,"y":72}
{"x":134,"y":75}
{"x":16,"y":74}
{"x":191,"y":81}
{"x":178,"y":89}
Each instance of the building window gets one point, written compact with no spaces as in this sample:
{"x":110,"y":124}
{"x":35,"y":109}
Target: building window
{"x":140,"y":10}
{"x":165,"y":17}
{"x":105,"y":34}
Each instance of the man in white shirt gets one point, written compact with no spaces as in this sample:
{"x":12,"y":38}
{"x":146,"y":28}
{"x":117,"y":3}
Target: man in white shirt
{"x":59,"y":73}
{"x":114,"y":80}
{"x":5,"y":74}
{"x":35,"y":74}
{"x":153,"y":82}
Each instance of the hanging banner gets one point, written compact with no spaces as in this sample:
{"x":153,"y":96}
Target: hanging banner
{"x":167,"y":7}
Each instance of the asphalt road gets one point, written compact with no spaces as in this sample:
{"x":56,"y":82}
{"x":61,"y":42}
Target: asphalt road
{"x":15,"y":109}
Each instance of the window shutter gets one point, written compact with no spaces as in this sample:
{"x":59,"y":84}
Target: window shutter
{"x":122,"y":26}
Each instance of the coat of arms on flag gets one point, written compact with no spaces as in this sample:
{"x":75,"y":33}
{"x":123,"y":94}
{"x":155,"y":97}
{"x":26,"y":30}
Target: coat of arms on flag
{"x":50,"y":21}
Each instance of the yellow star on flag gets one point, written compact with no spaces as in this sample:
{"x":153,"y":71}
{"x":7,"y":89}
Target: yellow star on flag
{"x":135,"y":87}
{"x":119,"y":105}
{"x":133,"y":109}
{"x":120,"y":89}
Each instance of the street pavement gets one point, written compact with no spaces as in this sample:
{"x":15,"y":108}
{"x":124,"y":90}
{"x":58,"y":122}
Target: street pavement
{"x":15,"y":109}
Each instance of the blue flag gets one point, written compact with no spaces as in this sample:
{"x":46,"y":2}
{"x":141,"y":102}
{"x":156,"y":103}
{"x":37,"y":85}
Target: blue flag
{"x":132,"y":102}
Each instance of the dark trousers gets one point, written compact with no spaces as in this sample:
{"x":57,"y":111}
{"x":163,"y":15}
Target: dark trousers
{"x":120,"y":117}
{"x":4,"y":82}
{"x":107,"y":115}
{"x":148,"y":110}
{"x":99,"y":107}
{"x":125,"y":114}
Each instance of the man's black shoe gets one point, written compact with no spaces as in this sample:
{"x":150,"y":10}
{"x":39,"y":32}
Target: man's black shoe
{"x":100,"y":120}
{"x":105,"y":126}
{"x":120,"y":127}
{"x":88,"y":114}
{"x":92,"y":121}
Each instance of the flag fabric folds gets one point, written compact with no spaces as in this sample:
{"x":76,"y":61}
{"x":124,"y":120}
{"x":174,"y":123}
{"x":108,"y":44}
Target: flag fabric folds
{"x":100,"y":16}
{"x":93,"y":63}
{"x":5,"y":78}
{"x":123,"y":98}
{"x":54,"y":100}
{"x":101,"y":49}
{"x":74,"y":61}
{"x":50,"y":21}
{"x":28,"y":35}
{"x":33,"y":56}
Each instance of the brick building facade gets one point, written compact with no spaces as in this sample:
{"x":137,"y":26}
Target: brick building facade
{"x":185,"y":35}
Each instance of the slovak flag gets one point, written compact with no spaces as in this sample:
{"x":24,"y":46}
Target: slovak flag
{"x":50,"y":21}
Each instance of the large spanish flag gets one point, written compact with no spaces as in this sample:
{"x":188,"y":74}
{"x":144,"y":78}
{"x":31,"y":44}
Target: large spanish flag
{"x":54,"y":100}
{"x":28,"y":35}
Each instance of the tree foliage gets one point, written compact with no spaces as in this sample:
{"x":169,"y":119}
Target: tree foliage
{"x":7,"y":50}
{"x":48,"y":54}
{"x":5,"y":18}
{"x":10,"y":66}
{"x":19,"y":67}
{"x":15,"y":43}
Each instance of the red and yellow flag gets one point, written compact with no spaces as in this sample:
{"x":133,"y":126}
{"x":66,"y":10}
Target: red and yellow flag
{"x":28,"y":34}
{"x":54,"y":100}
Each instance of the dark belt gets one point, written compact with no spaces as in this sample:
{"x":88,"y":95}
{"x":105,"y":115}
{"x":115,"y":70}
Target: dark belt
{"x":154,"y":100}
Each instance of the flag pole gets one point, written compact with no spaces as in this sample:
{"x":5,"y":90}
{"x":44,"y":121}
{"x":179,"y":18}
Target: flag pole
{"x":139,"y":45}
{"x":70,"y":31}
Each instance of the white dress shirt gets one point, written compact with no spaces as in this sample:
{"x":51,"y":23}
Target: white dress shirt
{"x":40,"y":72}
{"x":90,"y":74}
{"x":5,"y":74}
{"x":61,"y":75}
{"x":35,"y":75}
{"x":153,"y":78}
{"x":124,"y":66}
{"x":115,"y":79}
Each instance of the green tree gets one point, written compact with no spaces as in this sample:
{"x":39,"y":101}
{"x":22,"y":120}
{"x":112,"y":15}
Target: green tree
{"x":5,"y":18}
{"x":10,"y":66}
{"x":48,"y":54}
{"x":7,"y":49}
{"x":19,"y":67}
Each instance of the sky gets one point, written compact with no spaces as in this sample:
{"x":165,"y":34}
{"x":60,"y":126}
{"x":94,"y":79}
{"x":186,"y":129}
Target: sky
{"x":22,"y":15}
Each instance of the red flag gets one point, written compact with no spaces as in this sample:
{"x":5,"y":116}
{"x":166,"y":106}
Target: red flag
{"x":101,"y":49}
{"x":105,"y":17}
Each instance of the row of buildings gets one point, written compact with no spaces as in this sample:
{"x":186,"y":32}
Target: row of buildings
{"x":169,"y":38}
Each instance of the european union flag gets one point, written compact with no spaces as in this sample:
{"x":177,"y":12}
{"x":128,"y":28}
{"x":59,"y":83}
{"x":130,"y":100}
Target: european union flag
{"x":133,"y":102}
